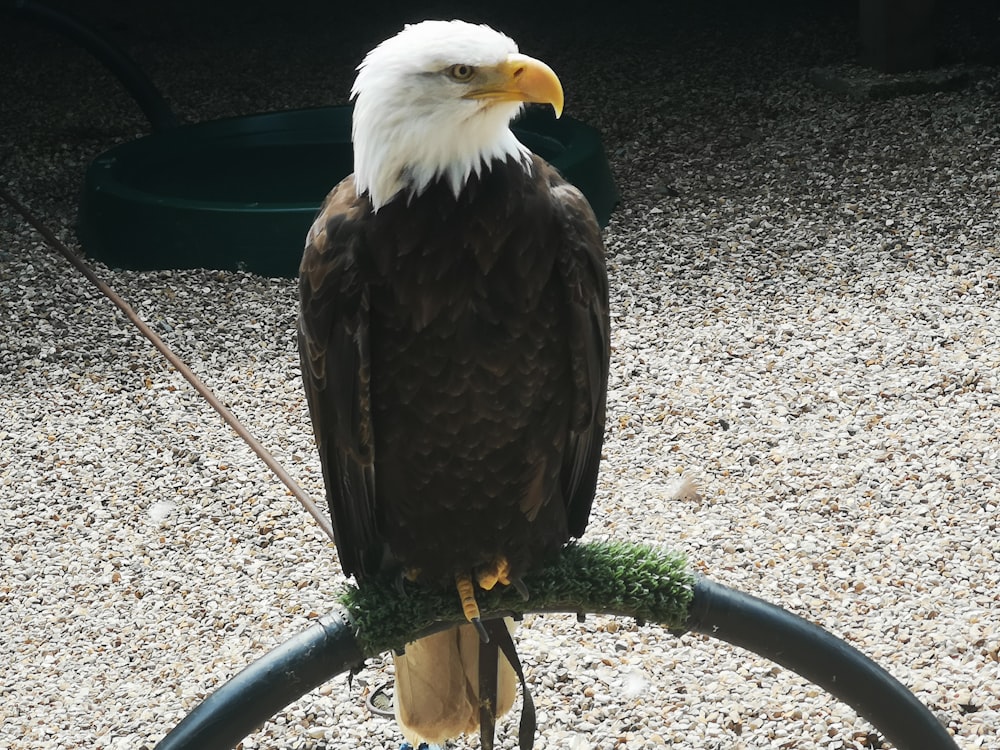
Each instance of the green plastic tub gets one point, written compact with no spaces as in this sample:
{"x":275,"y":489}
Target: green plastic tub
{"x":241,"y":193}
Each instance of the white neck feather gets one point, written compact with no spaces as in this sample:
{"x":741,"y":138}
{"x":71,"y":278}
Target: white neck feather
{"x":414,"y":146}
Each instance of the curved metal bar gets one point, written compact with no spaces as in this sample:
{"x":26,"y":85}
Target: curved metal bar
{"x":330,"y":647}
{"x":138,"y":85}
{"x":822,"y":658}
{"x":286,"y":673}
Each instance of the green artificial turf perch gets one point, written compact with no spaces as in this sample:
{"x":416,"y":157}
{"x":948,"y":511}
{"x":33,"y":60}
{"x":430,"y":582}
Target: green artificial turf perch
{"x":633,"y":580}
{"x":641,"y":581}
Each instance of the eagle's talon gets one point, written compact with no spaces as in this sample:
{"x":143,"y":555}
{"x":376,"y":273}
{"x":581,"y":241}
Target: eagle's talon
{"x":406,"y":574}
{"x":521,"y":589}
{"x":484,"y":637}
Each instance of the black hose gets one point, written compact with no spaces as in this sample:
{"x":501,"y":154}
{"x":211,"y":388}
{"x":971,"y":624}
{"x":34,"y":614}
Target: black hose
{"x":820,"y":657}
{"x":330,"y":647}
{"x":286,"y":673}
{"x":138,"y":85}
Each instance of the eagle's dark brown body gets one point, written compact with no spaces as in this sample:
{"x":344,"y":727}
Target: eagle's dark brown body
{"x":455,"y":358}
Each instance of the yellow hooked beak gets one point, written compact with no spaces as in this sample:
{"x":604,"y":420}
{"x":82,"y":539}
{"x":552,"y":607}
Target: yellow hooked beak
{"x":519,"y":78}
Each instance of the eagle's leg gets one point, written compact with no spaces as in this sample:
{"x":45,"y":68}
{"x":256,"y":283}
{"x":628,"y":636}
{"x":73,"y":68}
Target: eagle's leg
{"x":467,"y":593}
{"x":499,"y":572}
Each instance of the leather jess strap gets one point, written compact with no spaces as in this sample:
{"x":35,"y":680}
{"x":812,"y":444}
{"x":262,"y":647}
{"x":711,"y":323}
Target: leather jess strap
{"x":500,"y":641}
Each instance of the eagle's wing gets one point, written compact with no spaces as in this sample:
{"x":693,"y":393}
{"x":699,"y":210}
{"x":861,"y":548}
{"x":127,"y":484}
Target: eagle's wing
{"x":335,"y":363}
{"x":582,"y":266}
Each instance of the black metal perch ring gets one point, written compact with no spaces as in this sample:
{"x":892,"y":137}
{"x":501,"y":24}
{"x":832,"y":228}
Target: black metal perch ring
{"x":329,"y":647}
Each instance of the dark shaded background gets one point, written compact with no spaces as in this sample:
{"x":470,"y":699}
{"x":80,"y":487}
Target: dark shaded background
{"x":230,"y":57}
{"x":261,"y":40}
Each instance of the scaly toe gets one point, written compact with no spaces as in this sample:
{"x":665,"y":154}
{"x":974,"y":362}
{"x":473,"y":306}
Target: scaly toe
{"x":467,"y":593}
{"x":497,"y":572}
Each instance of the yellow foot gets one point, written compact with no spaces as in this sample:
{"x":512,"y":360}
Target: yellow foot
{"x":497,"y":572}
{"x":467,"y":593}
{"x":411,"y":574}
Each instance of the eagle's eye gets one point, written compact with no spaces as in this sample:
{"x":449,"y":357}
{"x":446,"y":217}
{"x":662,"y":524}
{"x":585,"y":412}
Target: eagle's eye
{"x":461,"y":72}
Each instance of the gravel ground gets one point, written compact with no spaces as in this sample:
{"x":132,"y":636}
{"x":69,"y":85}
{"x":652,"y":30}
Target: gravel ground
{"x":804,"y":293}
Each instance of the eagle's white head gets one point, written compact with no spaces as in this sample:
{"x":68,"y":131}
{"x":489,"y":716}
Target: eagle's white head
{"x":436,"y":101}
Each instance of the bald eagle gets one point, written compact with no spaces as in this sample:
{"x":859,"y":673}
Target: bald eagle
{"x":453,"y":335}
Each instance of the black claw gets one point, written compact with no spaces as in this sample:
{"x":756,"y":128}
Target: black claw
{"x":521,"y":589}
{"x":484,"y":637}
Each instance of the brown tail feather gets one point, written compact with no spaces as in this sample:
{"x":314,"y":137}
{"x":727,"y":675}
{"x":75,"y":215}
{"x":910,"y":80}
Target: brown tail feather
{"x":437,"y":686}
